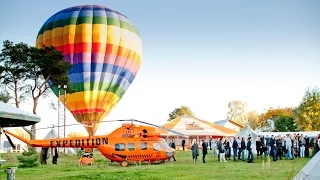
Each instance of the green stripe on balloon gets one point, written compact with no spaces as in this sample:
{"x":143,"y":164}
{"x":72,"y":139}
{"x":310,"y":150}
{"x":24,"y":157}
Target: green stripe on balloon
{"x":88,"y":20}
{"x":94,"y":86}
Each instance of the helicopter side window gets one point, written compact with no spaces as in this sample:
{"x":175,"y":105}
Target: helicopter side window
{"x":156,"y":147}
{"x":120,"y":147}
{"x":131,"y":146}
{"x":143,"y":146}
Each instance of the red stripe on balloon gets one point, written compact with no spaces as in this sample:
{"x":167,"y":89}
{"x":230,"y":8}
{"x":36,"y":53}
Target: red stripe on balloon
{"x":82,"y":111}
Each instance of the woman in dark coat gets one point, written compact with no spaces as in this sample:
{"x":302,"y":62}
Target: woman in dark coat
{"x":195,"y":150}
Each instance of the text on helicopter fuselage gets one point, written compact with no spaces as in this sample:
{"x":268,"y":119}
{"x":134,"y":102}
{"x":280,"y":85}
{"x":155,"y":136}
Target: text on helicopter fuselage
{"x":79,"y":142}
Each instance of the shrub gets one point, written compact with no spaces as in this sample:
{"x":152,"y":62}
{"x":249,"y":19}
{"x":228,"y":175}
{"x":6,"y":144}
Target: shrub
{"x":79,"y":152}
{"x":29,"y":158}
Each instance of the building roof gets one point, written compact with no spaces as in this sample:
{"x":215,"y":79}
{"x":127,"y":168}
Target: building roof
{"x":14,"y":117}
{"x":193,"y":126}
{"x":51,"y":134}
{"x":224,"y":122}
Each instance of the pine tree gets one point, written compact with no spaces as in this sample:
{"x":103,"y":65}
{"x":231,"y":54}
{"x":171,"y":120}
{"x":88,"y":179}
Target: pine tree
{"x":29,"y":158}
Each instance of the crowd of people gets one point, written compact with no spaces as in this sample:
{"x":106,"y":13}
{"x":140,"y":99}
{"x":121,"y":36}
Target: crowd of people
{"x":289,"y":146}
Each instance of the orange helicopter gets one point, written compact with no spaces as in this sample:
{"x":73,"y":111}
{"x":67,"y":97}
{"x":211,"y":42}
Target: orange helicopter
{"x":130,"y":143}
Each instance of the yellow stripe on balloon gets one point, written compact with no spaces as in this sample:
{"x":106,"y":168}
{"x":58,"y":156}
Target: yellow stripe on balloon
{"x":91,"y":95}
{"x":47,"y":35}
{"x":101,"y":104}
{"x":96,"y":33}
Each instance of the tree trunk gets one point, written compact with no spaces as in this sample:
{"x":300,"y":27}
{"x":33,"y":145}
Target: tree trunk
{"x":16,"y":98}
{"x":33,"y":127}
{"x":33,"y":132}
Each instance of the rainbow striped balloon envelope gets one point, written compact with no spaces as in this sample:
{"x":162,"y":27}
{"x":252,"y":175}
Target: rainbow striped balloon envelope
{"x":106,"y":52}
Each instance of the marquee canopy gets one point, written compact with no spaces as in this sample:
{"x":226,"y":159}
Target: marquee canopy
{"x":14,"y":117}
{"x":192,"y":126}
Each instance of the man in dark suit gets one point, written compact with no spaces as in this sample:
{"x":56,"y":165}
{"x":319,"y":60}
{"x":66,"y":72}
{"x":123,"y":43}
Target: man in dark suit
{"x":172,"y":145}
{"x":235,"y":148}
{"x":273,"y":148}
{"x":306,"y":138}
{"x":204,"y":150}
{"x":183,"y":143}
{"x":249,"y":148}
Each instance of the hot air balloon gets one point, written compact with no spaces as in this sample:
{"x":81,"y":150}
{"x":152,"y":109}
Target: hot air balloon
{"x":106,"y":52}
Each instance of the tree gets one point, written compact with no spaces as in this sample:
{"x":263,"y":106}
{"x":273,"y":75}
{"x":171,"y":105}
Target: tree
{"x":183,"y":110}
{"x":253,"y":119}
{"x":268,"y":119}
{"x":29,"y":71}
{"x":308,"y":112}
{"x":45,"y":66}
{"x":285,"y":124}
{"x":13,"y":58}
{"x":4,"y":96}
{"x":237,"y":111}
{"x":272,"y":113}
{"x":29,"y":158}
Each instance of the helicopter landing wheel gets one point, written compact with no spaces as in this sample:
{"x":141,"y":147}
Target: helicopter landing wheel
{"x":124,"y":163}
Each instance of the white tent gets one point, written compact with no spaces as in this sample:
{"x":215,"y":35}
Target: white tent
{"x":245,"y":132}
{"x":311,"y":171}
{"x":11,"y":116}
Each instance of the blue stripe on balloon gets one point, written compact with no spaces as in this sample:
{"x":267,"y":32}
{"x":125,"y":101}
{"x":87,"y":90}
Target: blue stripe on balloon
{"x":98,"y":11}
{"x":102,"y":67}
{"x":105,"y":78}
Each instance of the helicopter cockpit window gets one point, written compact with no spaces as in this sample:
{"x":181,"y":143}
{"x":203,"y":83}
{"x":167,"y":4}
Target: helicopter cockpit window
{"x":130,"y":146}
{"x":156,"y":147}
{"x":119,"y":147}
{"x":143,"y":146}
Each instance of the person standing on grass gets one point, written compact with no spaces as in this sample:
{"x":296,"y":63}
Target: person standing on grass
{"x":218,"y":150}
{"x":313,"y":144}
{"x":306,"y":138}
{"x":227,"y":148}
{"x":183,"y":143}
{"x":302,"y":146}
{"x":249,"y":148}
{"x":273,"y":148}
{"x":288,"y":146}
{"x":213,"y":147}
{"x":259,"y":147}
{"x":195,"y":150}
{"x":235,"y":148}
{"x":204,"y":150}
{"x":172,"y":145}
{"x":221,"y":150}
{"x":239,"y":147}
{"x":268,"y":145}
{"x":243,"y":148}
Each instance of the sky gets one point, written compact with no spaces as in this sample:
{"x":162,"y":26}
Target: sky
{"x":201,"y":54}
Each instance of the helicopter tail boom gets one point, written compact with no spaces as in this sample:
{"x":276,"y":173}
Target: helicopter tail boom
{"x":16,"y":136}
{"x":80,"y":142}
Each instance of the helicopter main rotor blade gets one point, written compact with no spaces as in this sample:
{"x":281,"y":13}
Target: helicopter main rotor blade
{"x":132,"y":120}
{"x":172,"y":131}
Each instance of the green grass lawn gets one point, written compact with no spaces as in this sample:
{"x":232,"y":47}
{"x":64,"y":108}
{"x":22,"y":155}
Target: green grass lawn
{"x":183,"y":168}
